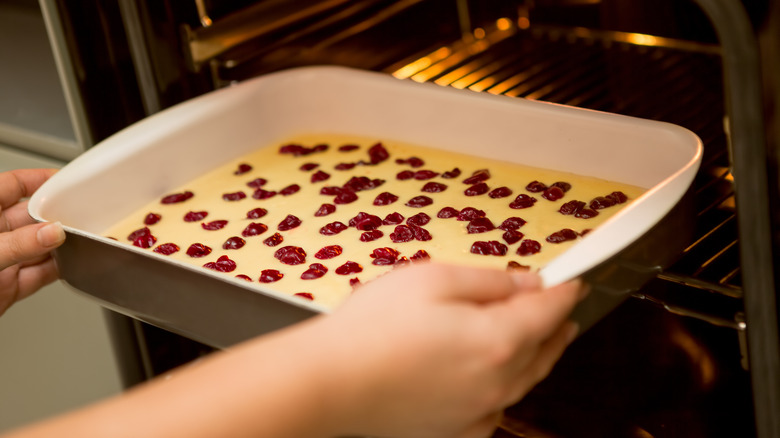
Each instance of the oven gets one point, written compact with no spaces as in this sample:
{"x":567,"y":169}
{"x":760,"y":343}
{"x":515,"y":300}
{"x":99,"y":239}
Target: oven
{"x":694,"y":352}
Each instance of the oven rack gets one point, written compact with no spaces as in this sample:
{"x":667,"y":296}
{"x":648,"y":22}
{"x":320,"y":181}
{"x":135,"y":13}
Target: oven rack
{"x":633,"y":74}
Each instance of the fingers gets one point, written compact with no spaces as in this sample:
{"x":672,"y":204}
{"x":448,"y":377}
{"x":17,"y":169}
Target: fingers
{"x":15,"y":217}
{"x":29,"y":243}
{"x":21,"y":183}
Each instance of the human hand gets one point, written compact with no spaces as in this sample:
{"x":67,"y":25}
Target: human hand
{"x":440,"y":351}
{"x":25,"y":263}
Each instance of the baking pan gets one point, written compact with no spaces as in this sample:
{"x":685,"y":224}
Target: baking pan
{"x":164,"y":151}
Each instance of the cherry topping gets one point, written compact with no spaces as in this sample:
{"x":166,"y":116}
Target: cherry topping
{"x":571,"y":207}
{"x":562,"y":236}
{"x":304,"y":295}
{"x":235,"y":196}
{"x":393,"y":219}
{"x":479,"y":225}
{"x":500,"y":192}
{"x":419,"y":201}
{"x":434,"y":187}
{"x":512,"y":223}
{"x":618,"y":197}
{"x":477,"y":189}
{"x":234,"y":242}
{"x":522,"y":201}
{"x":309,"y":166}
{"x":553,"y":193}
{"x":562,"y":185}
{"x":404,"y":175}
{"x":295,"y":150}
{"x":242,"y":169}
{"x":492,"y":247}
{"x":257,"y":183}
{"x":223,"y":264}
{"x":348,"y":147}
{"x":244,"y":277}
{"x":332,"y":228}
{"x":586,"y":213}
{"x":360,"y":183}
{"x":274,"y":240}
{"x":316,"y":270}
{"x":345,"y":197}
{"x":385,"y":198}
{"x":177,"y":197}
{"x":263,"y":194}
{"x":319,"y":176}
{"x":254,"y":229}
{"x":349,"y":268}
{"x":330,"y":190}
{"x":536,"y":186}
{"x":291,"y":255}
{"x":289,"y":190}
{"x":421,"y":233}
{"x":288,"y":223}
{"x":365,"y":222}
{"x":419,"y":219}
{"x":425,"y":174}
{"x":195,"y":216}
{"x":470,"y":213}
{"x":198,"y":250}
{"x":402,"y":233}
{"x":529,"y":247}
{"x":512,"y":236}
{"x":354,"y":282}
{"x":377,"y":153}
{"x":454,"y":173}
{"x":320,"y":148}
{"x":370,"y":236}
{"x":152,"y":218}
{"x":166,"y":248}
{"x":384,"y":256}
{"x":325,"y":209}
{"x":214,"y":225}
{"x":447,"y":212}
{"x":270,"y":276}
{"x":344,"y":166}
{"x":328,"y":252}
{"x":420,"y":255}
{"x":477,"y":176}
{"x":514,"y":266}
{"x":256,"y":213}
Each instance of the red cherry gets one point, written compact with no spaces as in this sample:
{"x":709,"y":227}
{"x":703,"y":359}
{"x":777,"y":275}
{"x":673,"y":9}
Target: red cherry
{"x":370,"y":236}
{"x":512,"y":236}
{"x":235,"y":196}
{"x":256,"y":213}
{"x":332,"y":228}
{"x":529,"y":247}
{"x":402,"y":233}
{"x":324,"y":210}
{"x":177,"y":197}
{"x":479,"y":225}
{"x":365,"y":222}
{"x":289,"y":190}
{"x":274,"y":240}
{"x":152,"y":218}
{"x":348,"y":147}
{"x":316,"y":270}
{"x":198,"y":250}
{"x":234,"y":242}
{"x":420,"y":255}
{"x":385,"y":198}
{"x":536,"y":187}
{"x":377,"y":153}
{"x":419,"y":219}
{"x":309,"y":166}
{"x":291,"y":255}
{"x":476,"y":189}
{"x":434,"y":187}
{"x":512,"y":223}
{"x":349,"y":268}
{"x":469,"y":214}
{"x":242,"y":169}
{"x":223,"y":264}
{"x":195,"y":216}
{"x":500,"y":192}
{"x":447,"y":212}
{"x":257,"y":183}
{"x":167,"y":248}
{"x":393,"y":219}
{"x":492,"y":247}
{"x":571,"y":207}
{"x":522,"y":201}
{"x":562,"y":236}
{"x":345,"y":197}
{"x":214,"y":225}
{"x":329,"y":252}
{"x":477,"y":177}
{"x":553,"y":193}
{"x":263,"y":194}
{"x":254,"y":229}
{"x":344,"y":166}
{"x":419,"y":201}
{"x":288,"y":223}
{"x":319,"y":176}
{"x":454,"y":173}
{"x":304,"y":295}
{"x":404,"y":175}
{"x":270,"y":276}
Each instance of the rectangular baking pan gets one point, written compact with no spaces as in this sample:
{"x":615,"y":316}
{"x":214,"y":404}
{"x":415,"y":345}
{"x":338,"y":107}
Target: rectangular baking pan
{"x":164,"y":151}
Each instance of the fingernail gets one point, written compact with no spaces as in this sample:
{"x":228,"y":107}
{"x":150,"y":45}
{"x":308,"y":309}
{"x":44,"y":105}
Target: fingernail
{"x":526,"y":280}
{"x":51,"y":235}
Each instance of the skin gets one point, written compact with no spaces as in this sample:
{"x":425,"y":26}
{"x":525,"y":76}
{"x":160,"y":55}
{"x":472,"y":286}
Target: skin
{"x":425,"y":351}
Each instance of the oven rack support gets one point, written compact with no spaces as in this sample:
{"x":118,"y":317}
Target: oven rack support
{"x":742,"y":90}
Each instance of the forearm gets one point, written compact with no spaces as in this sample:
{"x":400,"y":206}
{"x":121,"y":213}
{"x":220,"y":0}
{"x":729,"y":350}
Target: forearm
{"x":276,"y":386}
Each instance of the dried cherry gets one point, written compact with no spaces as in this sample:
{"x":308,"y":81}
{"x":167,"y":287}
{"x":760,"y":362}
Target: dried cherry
{"x":177,"y":197}
{"x":562,"y":236}
{"x":528,"y":247}
{"x":393,"y":219}
{"x":385,"y":198}
{"x":447,"y":212}
{"x":370,"y":236}
{"x":166,"y":248}
{"x":256,"y":213}
{"x":152,"y":218}
{"x":328,"y":252}
{"x":349,"y":268}
{"x":419,"y":201}
{"x":214,"y":225}
{"x":324,"y":210}
{"x":234,"y":242}
{"x":288,"y":223}
{"x":270,"y":276}
{"x":274,"y":240}
{"x":235,"y":196}
{"x":289,"y":190}
{"x":316,"y":270}
{"x":198,"y":250}
{"x":254,"y":229}
{"x":195,"y":216}
{"x":291,"y":255}
{"x":223,"y":264}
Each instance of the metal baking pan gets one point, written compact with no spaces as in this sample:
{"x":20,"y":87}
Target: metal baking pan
{"x":166,"y":150}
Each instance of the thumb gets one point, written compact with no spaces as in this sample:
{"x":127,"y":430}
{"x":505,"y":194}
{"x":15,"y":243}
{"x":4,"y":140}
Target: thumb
{"x":29,"y":242}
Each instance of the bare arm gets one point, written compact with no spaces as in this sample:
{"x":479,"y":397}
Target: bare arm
{"x":425,"y":351}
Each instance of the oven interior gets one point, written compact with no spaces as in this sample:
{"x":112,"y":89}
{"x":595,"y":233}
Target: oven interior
{"x":672,"y":361}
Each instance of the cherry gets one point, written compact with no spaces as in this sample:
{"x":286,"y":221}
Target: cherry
{"x":536,"y":187}
{"x":348,"y":147}
{"x":479,"y":225}
{"x":562,"y":236}
{"x":195,"y":216}
{"x":617,"y":197}
{"x":562,"y":185}
{"x":309,"y":166}
{"x":393,"y":219}
{"x":360,"y":183}
{"x":223,"y":264}
{"x":242,"y":169}
{"x":571,"y":207}
{"x":234,"y":242}
{"x":328,"y":252}
{"x":332,"y":228}
{"x":522,"y":201}
{"x":214,"y":225}
{"x":345,"y":197}
{"x":288,"y":223}
{"x":450,"y":174}
{"x":177,"y":197}
{"x":370,"y":236}
{"x":274,"y":240}
{"x":235,"y":196}
{"x":420,"y":255}
{"x":553,"y":193}
{"x":167,"y":248}
{"x":270,"y":276}
{"x":447,"y":212}
{"x":384,"y":256}
{"x":476,"y":189}
{"x":344,"y":166}
{"x":289,"y":190}
{"x":320,"y":148}
{"x":263,"y":194}
{"x":493,"y":247}
{"x":586,"y":213}
{"x":514,"y":266}
{"x":419,"y":219}
{"x":425,"y":174}
{"x":254,"y":229}
{"x":365,"y":222}
{"x":512,"y":236}
{"x":198,"y":250}
{"x":477,"y":177}
{"x":404,"y":175}
{"x":152,"y":218}
{"x":385,"y":198}
{"x":529,"y":247}
{"x":377,"y":153}
{"x":324,"y":210}
{"x":354,"y":282}
{"x":434,"y":187}
{"x":244,"y":277}
{"x":402,"y":233}
{"x":349,"y":268}
{"x":295,"y":150}
{"x":500,"y":192}
{"x":421,"y":233}
{"x":319,"y":176}
{"x":412,"y":161}
{"x":316,"y":270}
{"x":257,"y":183}
{"x":512,"y":223}
{"x":470,"y":213}
{"x":304,"y":295}
{"x":419,"y":201}
{"x":331,"y":190}
{"x":291,"y":255}
{"x":256,"y":213}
